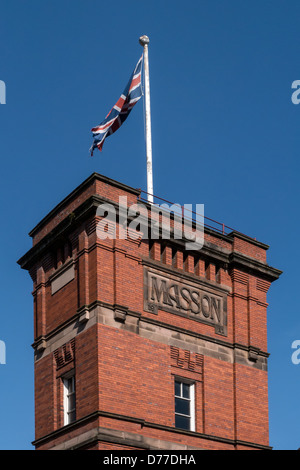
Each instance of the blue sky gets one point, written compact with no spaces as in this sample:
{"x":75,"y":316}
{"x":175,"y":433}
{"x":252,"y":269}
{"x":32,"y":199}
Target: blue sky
{"x":225,"y":134}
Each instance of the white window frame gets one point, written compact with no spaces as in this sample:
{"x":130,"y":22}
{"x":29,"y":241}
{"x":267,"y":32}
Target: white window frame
{"x":191,"y":416}
{"x":67,"y":394}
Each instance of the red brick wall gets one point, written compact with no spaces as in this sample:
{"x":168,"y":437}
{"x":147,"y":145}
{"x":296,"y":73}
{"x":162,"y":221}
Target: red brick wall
{"x":45,"y":397}
{"x":120,"y":372}
{"x":251,"y":395}
{"x":134,"y":377}
{"x":218,"y":398}
{"x":60,"y":306}
{"x":86,"y":372}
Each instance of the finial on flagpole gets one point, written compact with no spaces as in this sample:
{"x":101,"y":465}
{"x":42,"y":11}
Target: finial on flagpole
{"x":144,"y":41}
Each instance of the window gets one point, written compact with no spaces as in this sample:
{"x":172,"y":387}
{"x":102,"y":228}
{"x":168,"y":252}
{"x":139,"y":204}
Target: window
{"x":69,"y":399}
{"x":184,"y":405}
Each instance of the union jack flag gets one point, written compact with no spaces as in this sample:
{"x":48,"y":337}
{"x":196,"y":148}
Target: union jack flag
{"x":121,"y":110}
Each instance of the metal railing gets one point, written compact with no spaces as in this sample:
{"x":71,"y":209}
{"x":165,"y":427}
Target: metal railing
{"x":208,"y":222}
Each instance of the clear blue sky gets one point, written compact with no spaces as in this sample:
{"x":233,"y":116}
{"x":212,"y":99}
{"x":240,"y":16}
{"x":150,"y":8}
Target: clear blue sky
{"x":225,"y":134}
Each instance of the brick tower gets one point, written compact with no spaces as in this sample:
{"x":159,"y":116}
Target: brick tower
{"x":141,"y":344}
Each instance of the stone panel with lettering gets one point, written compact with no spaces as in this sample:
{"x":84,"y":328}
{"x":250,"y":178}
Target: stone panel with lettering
{"x":186,"y":297}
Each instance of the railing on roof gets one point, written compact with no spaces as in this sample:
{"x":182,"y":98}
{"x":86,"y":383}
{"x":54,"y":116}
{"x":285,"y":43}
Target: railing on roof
{"x":208,"y":222}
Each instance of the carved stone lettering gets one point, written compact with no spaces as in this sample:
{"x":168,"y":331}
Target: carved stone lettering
{"x":199,"y":301}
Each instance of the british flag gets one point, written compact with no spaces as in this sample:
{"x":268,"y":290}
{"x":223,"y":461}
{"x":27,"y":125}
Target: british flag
{"x":121,"y":110}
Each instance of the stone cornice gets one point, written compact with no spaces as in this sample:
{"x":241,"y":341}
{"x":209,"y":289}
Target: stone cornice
{"x":59,"y":232}
{"x":89,"y":206}
{"x":76,"y":192}
{"x":250,"y":265}
{"x":236,"y":352}
{"x":144,"y":424}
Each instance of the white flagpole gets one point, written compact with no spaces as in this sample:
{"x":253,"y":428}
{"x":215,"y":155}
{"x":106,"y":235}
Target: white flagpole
{"x":144,"y":41}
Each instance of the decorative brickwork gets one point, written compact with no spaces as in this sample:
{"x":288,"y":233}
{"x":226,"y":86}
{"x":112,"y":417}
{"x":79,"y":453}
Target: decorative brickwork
{"x":186,"y":360}
{"x":65,"y":354}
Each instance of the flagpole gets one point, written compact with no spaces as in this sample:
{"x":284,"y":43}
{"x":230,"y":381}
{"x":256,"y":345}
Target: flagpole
{"x":144,"y":41}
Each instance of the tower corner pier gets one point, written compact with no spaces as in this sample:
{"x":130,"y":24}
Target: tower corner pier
{"x":140,"y":343}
